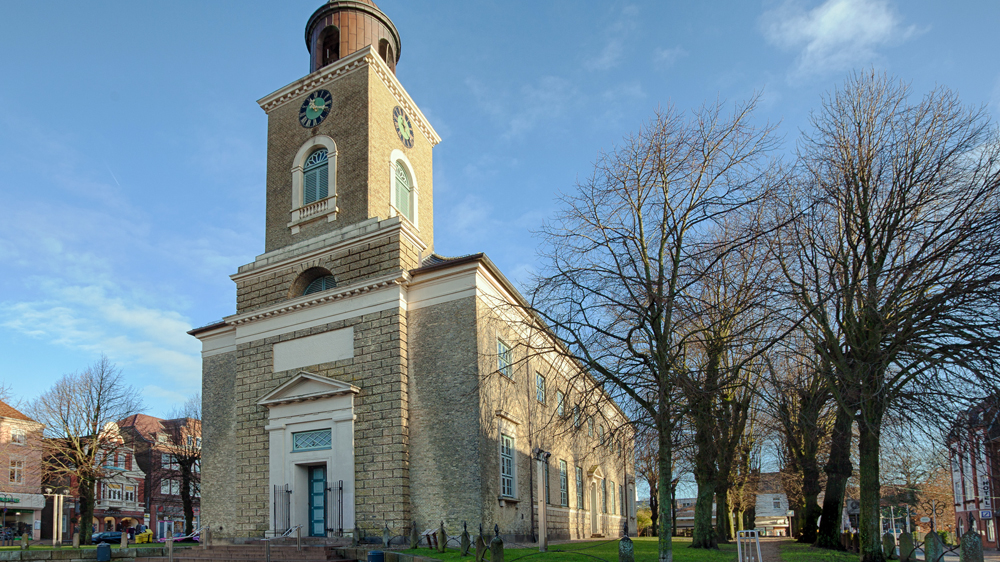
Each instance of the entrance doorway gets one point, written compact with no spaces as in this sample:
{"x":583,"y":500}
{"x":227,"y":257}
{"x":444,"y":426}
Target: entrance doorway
{"x":317,"y":501}
{"x":593,"y":509}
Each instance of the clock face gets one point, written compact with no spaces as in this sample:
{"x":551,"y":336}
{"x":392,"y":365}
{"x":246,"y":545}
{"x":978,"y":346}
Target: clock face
{"x":403,"y":127}
{"x":315,"y":108}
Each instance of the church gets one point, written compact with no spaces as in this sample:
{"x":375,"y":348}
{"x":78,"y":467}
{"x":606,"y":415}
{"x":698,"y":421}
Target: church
{"x":366,"y":381}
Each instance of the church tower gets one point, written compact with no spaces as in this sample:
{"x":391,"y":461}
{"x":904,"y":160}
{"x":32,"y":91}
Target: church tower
{"x":305,"y":390}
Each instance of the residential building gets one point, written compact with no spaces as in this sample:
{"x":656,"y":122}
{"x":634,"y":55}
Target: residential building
{"x":163,"y":448}
{"x":366,"y":380}
{"x":21,"y":479}
{"x":772,"y":518}
{"x":972,"y":452}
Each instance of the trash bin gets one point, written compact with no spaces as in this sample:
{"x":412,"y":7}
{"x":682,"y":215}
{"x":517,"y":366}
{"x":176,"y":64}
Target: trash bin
{"x":376,"y":556}
{"x":104,"y":552}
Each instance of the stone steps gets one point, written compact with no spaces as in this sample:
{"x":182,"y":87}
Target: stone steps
{"x":252,"y":553}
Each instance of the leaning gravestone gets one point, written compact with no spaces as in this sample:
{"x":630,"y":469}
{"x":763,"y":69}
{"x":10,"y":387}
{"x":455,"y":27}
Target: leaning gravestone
{"x":889,"y":546}
{"x":414,"y":536}
{"x":76,"y":539}
{"x":496,"y":546}
{"x":480,"y":548}
{"x":933,"y":547}
{"x":906,"y":548}
{"x":386,"y":537}
{"x":442,"y":538}
{"x":466,"y":542}
{"x":971,"y":549}
{"x":626,"y":550}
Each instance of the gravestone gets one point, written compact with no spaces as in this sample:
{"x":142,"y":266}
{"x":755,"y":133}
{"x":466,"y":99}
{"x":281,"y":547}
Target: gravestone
{"x":906,"y":548}
{"x":626,"y":550}
{"x":356,"y":539}
{"x":24,"y":541}
{"x":414,"y":536}
{"x":466,"y":542}
{"x":386,"y":537}
{"x":76,"y":539}
{"x":496,"y":546}
{"x":442,"y":538}
{"x":971,"y":548}
{"x":889,"y":546}
{"x":480,"y":545}
{"x":933,"y":547}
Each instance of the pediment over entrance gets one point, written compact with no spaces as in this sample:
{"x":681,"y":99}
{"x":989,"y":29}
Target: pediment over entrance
{"x":306,"y":386}
{"x":595,"y":472}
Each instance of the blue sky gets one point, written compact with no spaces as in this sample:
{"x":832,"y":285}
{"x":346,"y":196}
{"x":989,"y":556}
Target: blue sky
{"x":132,"y":152}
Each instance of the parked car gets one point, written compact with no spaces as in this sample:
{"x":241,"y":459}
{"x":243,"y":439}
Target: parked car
{"x":106,"y":536}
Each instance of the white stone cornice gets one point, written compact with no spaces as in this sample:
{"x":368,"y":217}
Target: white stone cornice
{"x":350,"y":63}
{"x":307,"y":301}
{"x":344,"y":66}
{"x":399,"y":92}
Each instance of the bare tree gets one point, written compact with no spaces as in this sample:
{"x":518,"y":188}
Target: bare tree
{"x":896,"y":258}
{"x":620,"y":254}
{"x":800,"y":404}
{"x":184,"y":447}
{"x":79,"y":413}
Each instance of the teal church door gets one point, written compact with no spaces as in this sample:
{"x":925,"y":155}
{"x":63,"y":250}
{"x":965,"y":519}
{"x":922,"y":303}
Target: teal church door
{"x":317,"y":501}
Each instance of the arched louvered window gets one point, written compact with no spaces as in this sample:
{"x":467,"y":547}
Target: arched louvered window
{"x":404,"y":191}
{"x":316,"y":184}
{"x":320,"y":284}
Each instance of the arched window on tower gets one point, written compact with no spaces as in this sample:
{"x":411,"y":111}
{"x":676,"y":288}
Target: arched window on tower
{"x":385,"y":51}
{"x":329,"y":46}
{"x":404,"y":191}
{"x":316,"y":184}
{"x":320,"y":284}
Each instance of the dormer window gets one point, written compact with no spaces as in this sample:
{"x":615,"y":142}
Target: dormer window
{"x":316,"y":183}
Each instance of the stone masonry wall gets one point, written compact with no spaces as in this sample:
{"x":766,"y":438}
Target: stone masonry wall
{"x":540,"y":425}
{"x":347,"y":125}
{"x":444,"y":416}
{"x":374,"y":258}
{"x":378,"y":368}
{"x":219,"y":464}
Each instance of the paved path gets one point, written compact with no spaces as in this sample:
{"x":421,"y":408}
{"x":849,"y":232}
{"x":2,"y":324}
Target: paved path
{"x":769,"y":548}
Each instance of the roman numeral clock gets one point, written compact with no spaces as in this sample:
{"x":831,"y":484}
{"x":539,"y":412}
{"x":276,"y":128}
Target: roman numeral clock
{"x":315,"y":108}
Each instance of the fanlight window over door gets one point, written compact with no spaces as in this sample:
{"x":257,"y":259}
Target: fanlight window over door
{"x":316,"y":184}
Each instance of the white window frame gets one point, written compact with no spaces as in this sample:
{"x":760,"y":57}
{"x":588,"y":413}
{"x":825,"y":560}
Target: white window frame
{"x":505,"y":359}
{"x":129,"y":494}
{"x":590,"y":427}
{"x":165,"y":487}
{"x":613,"y":504}
{"x":560,"y":404}
{"x":120,"y":460}
{"x":395,"y":158}
{"x":508,"y":470}
{"x":576,"y":416}
{"x":16,"y":475}
{"x":563,"y":483}
{"x":175,"y":487}
{"x":540,"y":388}
{"x":326,"y":207}
{"x":18,"y":435}
{"x":579,"y":488}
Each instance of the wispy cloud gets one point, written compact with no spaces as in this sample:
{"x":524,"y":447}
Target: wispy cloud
{"x":613,"y":49}
{"x":664,"y":58}
{"x":835,"y":35}
{"x":522,"y":110}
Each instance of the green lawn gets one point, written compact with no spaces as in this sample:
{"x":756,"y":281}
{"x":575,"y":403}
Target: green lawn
{"x":645,"y":551}
{"x":797,"y":552}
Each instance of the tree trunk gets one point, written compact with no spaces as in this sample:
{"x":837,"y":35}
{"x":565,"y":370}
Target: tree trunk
{"x":723,"y":528}
{"x":810,"y":500}
{"x":664,"y":541}
{"x":870,"y":493}
{"x":85,"y":491}
{"x":838,"y":470}
{"x":704,"y":532}
{"x":186,"y":502}
{"x":654,"y":507}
